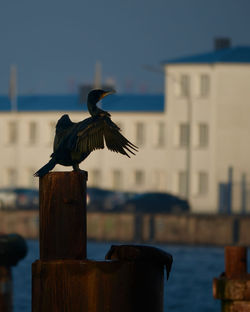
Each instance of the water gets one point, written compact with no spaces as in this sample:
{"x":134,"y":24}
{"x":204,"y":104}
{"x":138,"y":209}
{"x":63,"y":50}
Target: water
{"x":189,"y":287}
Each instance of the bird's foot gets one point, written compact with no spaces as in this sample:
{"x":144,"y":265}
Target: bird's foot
{"x":76,"y":168}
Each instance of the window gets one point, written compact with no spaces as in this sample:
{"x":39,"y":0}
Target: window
{"x":202,"y":183}
{"x":52,"y":131}
{"x":140,"y":134}
{"x":159,"y":180}
{"x":11,"y":177}
{"x":31,"y":180}
{"x":204,"y":85}
{"x":32,"y":133}
{"x":95,"y":177}
{"x":184,"y":135}
{"x":184,"y":85}
{"x":182,"y":183}
{"x":203,"y":134}
{"x":12,"y":132}
{"x":161,"y":134}
{"x":139,"y":177}
{"x":117,"y":180}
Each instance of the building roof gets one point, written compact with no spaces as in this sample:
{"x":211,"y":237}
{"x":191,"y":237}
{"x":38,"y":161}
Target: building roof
{"x":113,"y":103}
{"x":238,"y":54}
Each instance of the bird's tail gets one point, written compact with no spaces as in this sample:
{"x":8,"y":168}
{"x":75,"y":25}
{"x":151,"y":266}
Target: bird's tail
{"x":46,"y":168}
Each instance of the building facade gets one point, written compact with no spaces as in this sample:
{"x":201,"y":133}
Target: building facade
{"x":208,"y":129}
{"x":26,"y":140}
{"x":187,"y":139}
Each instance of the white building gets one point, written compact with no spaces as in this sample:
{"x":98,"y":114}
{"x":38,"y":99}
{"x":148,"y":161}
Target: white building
{"x":26,"y":138}
{"x":210,"y":92}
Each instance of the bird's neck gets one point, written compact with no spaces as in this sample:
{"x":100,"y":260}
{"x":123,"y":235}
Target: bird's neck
{"x":96,"y":111}
{"x":93,"y":109}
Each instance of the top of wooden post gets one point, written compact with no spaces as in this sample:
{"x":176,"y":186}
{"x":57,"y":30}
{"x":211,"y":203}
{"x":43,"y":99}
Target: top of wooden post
{"x":235,"y":261}
{"x":62,"y":174}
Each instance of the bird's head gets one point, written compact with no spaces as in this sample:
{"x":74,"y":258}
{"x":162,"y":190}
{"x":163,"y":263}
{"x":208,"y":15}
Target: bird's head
{"x":96,"y":95}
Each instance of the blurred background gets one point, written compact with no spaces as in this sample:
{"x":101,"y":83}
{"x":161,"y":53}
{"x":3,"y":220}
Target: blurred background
{"x":181,"y":70}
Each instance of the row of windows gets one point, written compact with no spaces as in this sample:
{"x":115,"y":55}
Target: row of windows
{"x":158,"y":181}
{"x":10,"y":177}
{"x":32,"y":138}
{"x":201,"y":186}
{"x":183,"y":86}
{"x":117,"y":183}
{"x":184,"y":135}
{"x":140,"y":134}
{"x":32,"y":133}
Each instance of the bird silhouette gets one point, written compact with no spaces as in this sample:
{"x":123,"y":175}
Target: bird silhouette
{"x":74,"y":142}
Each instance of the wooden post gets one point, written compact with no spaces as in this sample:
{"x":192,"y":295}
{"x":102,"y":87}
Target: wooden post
{"x":233,"y":286}
{"x":63,"y":280}
{"x":97,"y":286}
{"x":63,"y":215}
{"x":235,"y":261}
{"x":12,"y":249}
{"x":5,"y":289}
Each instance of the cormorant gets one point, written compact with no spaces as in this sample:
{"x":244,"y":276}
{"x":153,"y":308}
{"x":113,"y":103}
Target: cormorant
{"x":74,"y":142}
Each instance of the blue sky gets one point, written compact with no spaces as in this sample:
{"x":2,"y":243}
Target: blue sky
{"x":55,"y":44}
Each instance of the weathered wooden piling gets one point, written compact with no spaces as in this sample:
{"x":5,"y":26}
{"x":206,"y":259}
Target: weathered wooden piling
{"x":233,"y":286}
{"x":97,"y":286}
{"x":235,"y":261}
{"x":63,"y":280}
{"x":62,"y":212}
{"x":5,"y":289}
{"x":12,"y":249}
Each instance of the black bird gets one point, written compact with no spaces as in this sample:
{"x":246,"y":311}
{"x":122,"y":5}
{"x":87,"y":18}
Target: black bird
{"x":74,"y":142}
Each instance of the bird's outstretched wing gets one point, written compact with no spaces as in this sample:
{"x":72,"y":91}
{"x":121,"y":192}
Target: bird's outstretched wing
{"x":63,"y":127}
{"x":92,"y":137}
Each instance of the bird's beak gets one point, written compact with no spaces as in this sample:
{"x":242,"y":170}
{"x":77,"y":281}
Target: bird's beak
{"x":107,"y":93}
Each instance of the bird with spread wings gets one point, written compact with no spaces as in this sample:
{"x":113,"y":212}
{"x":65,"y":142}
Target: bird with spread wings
{"x":74,"y":142}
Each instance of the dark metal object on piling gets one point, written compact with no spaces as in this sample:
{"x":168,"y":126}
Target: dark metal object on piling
{"x":6,"y":289}
{"x":141,"y":253}
{"x":63,"y":280}
{"x":12,"y":249}
{"x":233,"y":286}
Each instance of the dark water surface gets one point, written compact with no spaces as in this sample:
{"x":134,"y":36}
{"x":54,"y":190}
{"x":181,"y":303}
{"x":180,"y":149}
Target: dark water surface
{"x":189,"y":287}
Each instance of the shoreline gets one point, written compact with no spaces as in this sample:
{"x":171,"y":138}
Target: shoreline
{"x":177,"y":229}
